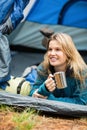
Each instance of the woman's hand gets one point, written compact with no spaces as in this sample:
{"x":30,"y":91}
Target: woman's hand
{"x":37,"y":95}
{"x":50,"y":83}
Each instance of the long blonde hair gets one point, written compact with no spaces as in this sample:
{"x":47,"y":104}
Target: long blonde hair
{"x":74,"y":59}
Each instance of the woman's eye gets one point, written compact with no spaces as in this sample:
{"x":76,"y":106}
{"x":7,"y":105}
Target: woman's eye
{"x":57,"y":49}
{"x":49,"y":49}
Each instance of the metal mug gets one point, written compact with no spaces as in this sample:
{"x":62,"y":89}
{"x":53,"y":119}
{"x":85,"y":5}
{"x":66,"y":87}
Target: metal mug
{"x":60,"y":80}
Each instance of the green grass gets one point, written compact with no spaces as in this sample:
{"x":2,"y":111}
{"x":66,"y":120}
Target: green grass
{"x":24,"y":119}
{"x":4,"y":108}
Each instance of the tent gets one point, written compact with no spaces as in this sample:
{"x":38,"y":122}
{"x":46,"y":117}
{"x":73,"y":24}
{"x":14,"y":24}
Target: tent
{"x":21,"y":21}
{"x":52,"y":107}
{"x":27,"y":17}
{"x":62,"y":16}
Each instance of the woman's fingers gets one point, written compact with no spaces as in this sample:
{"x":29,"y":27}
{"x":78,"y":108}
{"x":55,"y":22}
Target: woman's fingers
{"x":37,"y":95}
{"x":50,"y":76}
{"x":50,"y":84}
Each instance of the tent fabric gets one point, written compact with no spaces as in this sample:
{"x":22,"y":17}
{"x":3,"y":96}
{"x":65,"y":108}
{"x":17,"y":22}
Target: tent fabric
{"x":45,"y":12}
{"x":22,"y":60}
{"x":28,"y":34}
{"x":5,"y":6}
{"x":13,"y":9}
{"x":58,"y":108}
{"x":66,"y":12}
{"x":73,"y":14}
{"x":17,"y":13}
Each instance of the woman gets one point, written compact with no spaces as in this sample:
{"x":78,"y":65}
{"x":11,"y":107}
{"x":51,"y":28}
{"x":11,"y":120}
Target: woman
{"x":62,"y":55}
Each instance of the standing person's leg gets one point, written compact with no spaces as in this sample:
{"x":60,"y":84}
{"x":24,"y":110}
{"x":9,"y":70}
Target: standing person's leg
{"x":5,"y":59}
{"x":15,"y":85}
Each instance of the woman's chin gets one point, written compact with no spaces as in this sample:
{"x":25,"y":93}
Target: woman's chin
{"x":53,"y":64}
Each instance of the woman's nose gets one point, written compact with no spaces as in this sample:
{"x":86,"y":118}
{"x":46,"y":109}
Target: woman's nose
{"x":53,"y":52}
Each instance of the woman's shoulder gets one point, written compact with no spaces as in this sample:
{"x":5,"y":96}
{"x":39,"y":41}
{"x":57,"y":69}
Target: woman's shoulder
{"x":41,"y":70}
{"x":40,"y":67}
{"x":84,"y":72}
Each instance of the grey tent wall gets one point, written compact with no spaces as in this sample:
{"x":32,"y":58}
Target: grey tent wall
{"x":55,"y":107}
{"x":28,"y":34}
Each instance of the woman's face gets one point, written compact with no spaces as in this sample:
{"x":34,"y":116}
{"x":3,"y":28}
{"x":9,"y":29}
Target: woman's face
{"x":56,"y":56}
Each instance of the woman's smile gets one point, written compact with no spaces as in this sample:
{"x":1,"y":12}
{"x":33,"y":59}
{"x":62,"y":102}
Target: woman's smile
{"x":53,"y":59}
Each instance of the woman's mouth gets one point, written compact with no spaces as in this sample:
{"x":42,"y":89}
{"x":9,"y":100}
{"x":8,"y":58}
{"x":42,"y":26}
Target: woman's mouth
{"x":53,"y":59}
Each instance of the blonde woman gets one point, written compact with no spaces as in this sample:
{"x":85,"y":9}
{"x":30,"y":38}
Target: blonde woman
{"x":62,"y":56}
